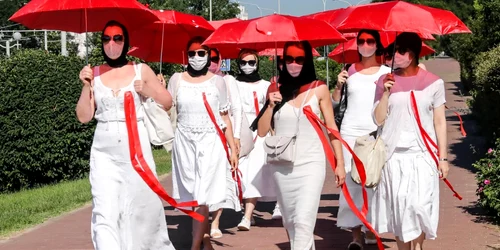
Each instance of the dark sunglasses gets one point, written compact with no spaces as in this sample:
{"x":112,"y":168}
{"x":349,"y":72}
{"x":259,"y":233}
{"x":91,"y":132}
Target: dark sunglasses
{"x":215,"y":59}
{"x":201,"y":53}
{"x":400,"y":50}
{"x":116,"y":38}
{"x":300,"y":60}
{"x":369,"y":41}
{"x":249,"y":62}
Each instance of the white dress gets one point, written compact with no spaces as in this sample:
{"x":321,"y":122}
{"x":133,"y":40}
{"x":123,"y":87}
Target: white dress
{"x":357,"y":122}
{"x":299,"y":185}
{"x":199,"y":162}
{"x":126,"y":213}
{"x":406,"y":202}
{"x":256,"y":179}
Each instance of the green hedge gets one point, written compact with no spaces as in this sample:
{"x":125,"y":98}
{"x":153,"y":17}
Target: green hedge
{"x":42,"y":141}
{"x":488,"y":179}
{"x":486,"y":94}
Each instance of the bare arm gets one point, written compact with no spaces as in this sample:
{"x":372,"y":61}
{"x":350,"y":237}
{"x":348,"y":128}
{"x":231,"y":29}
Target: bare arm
{"x":85,"y":107}
{"x":341,"y":80}
{"x":228,"y":131}
{"x":327,"y":111}
{"x":441,"y":131}
{"x":264,"y":125}
{"x":159,"y":92}
{"x":382,"y":94}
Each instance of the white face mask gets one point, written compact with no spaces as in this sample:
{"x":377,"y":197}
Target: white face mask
{"x":113,"y":50}
{"x":400,"y":61}
{"x":367,"y":51}
{"x":247,"y":69}
{"x":198,"y":62}
{"x":294,"y":69}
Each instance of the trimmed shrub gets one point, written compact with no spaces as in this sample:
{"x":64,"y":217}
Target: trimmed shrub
{"x":42,"y":141}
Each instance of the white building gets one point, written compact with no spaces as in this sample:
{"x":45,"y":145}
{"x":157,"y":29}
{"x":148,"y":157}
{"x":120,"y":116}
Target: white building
{"x":243,"y":13}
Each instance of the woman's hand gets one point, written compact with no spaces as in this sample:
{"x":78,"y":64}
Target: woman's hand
{"x":161,"y":79}
{"x":340,"y":174}
{"x":444,"y":168}
{"x":274,"y":98}
{"x":234,"y":161}
{"x":342,"y":78}
{"x":86,"y":75}
{"x":143,"y":88}
{"x":388,"y":82}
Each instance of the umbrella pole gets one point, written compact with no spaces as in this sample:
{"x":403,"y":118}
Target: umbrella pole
{"x":161,"y":49}
{"x":343,"y":55}
{"x":276,"y":63}
{"x":86,"y":40}
{"x":394,"y":53}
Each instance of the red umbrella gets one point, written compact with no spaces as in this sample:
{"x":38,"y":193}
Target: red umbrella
{"x":279,"y":52}
{"x":400,"y":16}
{"x":218,"y":23}
{"x":82,"y":16}
{"x":350,"y":55}
{"x":166,"y":40}
{"x":273,"y":31}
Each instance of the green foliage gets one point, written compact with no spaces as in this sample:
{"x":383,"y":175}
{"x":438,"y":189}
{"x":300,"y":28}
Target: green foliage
{"x":42,"y":141}
{"x":488,"y":179}
{"x":221,"y":9}
{"x":486,"y":94}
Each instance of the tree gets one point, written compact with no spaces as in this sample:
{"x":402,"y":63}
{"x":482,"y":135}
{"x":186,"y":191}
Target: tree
{"x":221,"y":9}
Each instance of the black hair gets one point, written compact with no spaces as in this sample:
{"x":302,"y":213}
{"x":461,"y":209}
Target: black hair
{"x":410,"y":41}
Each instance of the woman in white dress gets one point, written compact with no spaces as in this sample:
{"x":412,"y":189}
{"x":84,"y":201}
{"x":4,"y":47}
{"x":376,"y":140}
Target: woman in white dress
{"x":199,"y":161}
{"x":360,"y":79}
{"x":232,"y":200}
{"x":126,"y":213}
{"x":406,"y":202}
{"x":299,"y":184}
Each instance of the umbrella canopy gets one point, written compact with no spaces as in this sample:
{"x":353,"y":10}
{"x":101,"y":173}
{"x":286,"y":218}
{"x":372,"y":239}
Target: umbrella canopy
{"x":399,"y":16}
{"x":279,"y":52}
{"x":166,"y":39}
{"x":218,"y":23}
{"x":273,"y":31}
{"x":82,"y":16}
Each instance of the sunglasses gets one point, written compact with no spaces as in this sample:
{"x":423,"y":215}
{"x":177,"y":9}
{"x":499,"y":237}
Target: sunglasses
{"x":116,"y":38}
{"x":249,"y":62}
{"x":400,"y":50}
{"x":300,"y":60}
{"x":369,"y":41}
{"x":215,"y":59}
{"x":201,"y":53}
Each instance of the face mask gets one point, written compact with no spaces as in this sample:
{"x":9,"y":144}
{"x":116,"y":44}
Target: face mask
{"x":367,"y":51}
{"x":214,"y":68}
{"x":294,"y":69}
{"x":247,"y":69}
{"x":400,"y":61}
{"x":197,"y":62}
{"x":113,"y":50}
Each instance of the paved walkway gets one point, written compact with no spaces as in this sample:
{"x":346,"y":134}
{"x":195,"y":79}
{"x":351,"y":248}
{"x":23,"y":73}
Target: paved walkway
{"x":460,"y":227}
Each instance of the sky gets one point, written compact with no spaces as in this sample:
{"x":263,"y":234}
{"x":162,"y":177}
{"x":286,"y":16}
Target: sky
{"x":293,"y":7}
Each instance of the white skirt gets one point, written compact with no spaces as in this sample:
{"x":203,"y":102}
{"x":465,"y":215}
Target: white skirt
{"x":256,"y":179}
{"x":346,"y":219}
{"x":406,"y":202}
{"x":199,"y":167}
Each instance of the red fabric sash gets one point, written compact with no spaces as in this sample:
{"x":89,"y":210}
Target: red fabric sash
{"x":460,"y":119}
{"x":237,"y":173}
{"x":316,"y":122}
{"x":256,"y":105}
{"x":143,"y":169}
{"x":427,"y":139}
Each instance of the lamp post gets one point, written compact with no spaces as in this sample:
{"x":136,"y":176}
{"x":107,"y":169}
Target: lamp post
{"x":210,"y":10}
{"x":257,"y":6}
{"x":326,"y":55}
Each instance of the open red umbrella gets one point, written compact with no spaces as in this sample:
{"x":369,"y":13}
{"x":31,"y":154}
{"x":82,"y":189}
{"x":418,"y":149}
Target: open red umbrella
{"x":218,"y":23}
{"x":273,"y":31}
{"x":399,"y":16}
{"x":350,"y":55}
{"x":166,"y":39}
{"x":82,"y":16}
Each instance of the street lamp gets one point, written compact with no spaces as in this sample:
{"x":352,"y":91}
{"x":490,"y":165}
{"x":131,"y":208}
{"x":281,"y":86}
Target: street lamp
{"x":17,"y":36}
{"x":257,"y":6}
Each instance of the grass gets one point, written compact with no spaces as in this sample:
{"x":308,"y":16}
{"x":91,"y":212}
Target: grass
{"x":27,"y":208}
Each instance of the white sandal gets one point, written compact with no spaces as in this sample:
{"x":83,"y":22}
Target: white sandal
{"x":215,"y":233}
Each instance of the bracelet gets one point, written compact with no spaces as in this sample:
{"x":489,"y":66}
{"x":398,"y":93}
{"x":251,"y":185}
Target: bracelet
{"x":443,"y":159}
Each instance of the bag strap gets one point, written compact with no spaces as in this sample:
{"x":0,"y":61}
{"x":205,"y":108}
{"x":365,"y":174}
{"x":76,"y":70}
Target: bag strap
{"x":427,"y":139}
{"x":237,"y":173}
{"x":141,"y":166}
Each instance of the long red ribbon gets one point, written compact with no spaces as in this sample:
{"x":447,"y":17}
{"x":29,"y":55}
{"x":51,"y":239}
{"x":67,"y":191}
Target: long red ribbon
{"x":427,"y":139}
{"x":460,"y":119}
{"x":316,"y":122}
{"x":257,"y":110}
{"x":143,"y":169}
{"x":237,"y":173}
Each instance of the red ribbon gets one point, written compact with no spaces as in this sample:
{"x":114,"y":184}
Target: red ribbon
{"x":427,"y":139}
{"x":143,"y":169}
{"x":256,"y":106}
{"x":460,"y":119}
{"x":316,"y":122}
{"x":237,"y":173}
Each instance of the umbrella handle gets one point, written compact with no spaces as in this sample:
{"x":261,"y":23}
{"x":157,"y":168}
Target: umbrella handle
{"x":394,"y":53}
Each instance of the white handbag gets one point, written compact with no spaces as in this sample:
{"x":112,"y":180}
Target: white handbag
{"x":281,"y":149}
{"x":246,"y":135}
{"x":370,"y":149}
